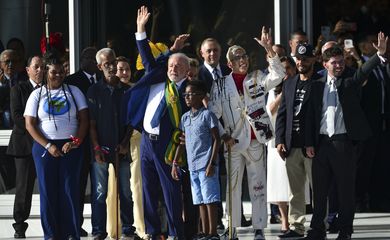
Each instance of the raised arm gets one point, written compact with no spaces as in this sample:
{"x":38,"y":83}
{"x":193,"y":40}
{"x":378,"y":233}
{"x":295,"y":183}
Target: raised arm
{"x":266,"y":42}
{"x":180,"y":43}
{"x":381,"y":47}
{"x":142,"y":42}
{"x":382,"y":44}
{"x":143,"y":16}
{"x":276,"y":69}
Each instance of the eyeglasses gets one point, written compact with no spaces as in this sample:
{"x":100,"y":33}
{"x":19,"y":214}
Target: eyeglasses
{"x":191,"y":94}
{"x":110,"y":65}
{"x":239,"y":57}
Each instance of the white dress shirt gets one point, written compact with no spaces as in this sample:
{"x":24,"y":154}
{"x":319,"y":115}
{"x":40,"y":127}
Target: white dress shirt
{"x":34,"y":84}
{"x":339,"y":125}
{"x":211,"y":69}
{"x":89,"y":77}
{"x":155,"y":95}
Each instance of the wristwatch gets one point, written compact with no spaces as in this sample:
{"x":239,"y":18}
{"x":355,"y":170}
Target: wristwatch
{"x":48,"y":145}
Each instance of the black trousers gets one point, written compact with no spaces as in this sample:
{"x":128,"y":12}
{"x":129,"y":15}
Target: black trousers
{"x":25,"y":178}
{"x":368,"y":154}
{"x":379,"y":194}
{"x":335,"y":160}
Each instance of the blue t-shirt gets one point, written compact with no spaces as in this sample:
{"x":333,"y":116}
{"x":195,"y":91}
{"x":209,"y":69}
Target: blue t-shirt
{"x":199,"y":141}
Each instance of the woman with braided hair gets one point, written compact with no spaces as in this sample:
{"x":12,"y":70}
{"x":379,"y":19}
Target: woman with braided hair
{"x":57,"y":118}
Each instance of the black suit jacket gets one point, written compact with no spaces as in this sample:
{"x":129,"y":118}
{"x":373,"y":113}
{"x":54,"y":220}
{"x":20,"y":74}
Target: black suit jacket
{"x":205,"y":75}
{"x":372,"y":100}
{"x":349,"y":92}
{"x":284,"y":119}
{"x":80,"y":80}
{"x":20,"y":143}
{"x":5,"y":92}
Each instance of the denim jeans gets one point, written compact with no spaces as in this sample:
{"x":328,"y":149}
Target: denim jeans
{"x":99,"y":180}
{"x":6,"y":119}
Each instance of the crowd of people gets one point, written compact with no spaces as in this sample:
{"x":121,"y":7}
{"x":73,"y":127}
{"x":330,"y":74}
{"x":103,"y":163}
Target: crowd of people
{"x":307,"y":128}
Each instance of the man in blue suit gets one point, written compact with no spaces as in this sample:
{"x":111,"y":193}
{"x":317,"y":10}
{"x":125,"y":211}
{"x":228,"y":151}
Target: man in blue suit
{"x":150,"y":110}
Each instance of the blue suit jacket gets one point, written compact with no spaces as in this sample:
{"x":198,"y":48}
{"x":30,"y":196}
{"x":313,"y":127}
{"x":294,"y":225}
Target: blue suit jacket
{"x":137,"y":97}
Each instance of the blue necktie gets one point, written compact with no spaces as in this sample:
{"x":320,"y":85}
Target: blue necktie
{"x":159,"y":113}
{"x":331,"y":110}
{"x":216,"y":74}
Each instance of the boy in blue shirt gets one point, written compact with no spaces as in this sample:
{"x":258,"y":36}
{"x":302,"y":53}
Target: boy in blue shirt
{"x":202,"y":143}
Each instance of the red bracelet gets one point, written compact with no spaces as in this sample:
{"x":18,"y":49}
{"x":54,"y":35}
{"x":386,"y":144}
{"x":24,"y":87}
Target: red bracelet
{"x":75,"y":140}
{"x":103,"y":149}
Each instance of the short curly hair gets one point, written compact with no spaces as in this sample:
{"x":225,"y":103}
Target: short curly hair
{"x":198,"y":85}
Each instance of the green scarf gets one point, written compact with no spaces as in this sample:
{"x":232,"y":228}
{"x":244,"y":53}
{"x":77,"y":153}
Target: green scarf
{"x":175,"y":112}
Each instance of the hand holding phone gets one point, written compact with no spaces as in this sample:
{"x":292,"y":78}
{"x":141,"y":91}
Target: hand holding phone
{"x":348,"y":43}
{"x":325,"y":32}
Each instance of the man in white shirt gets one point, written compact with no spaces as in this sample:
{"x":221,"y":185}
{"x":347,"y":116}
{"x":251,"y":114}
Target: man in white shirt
{"x":20,"y":145}
{"x":152,"y":109}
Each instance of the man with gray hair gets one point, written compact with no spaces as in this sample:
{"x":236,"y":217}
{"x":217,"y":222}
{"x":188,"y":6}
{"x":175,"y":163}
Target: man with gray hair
{"x":110,"y":144}
{"x":8,"y":78}
{"x":155,"y":106}
{"x":239,"y":99}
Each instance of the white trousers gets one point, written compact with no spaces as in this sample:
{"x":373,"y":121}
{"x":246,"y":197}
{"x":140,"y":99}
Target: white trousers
{"x":255,"y":162}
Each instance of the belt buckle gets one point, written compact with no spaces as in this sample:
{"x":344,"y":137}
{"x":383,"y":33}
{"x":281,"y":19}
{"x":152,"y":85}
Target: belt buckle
{"x":153,"y":137}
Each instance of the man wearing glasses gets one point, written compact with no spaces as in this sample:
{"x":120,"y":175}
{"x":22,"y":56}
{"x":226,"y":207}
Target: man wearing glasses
{"x":239,"y":99}
{"x":109,"y":139}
